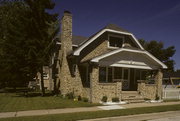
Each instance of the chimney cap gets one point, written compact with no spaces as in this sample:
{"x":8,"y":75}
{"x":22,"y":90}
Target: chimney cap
{"x":66,"y":11}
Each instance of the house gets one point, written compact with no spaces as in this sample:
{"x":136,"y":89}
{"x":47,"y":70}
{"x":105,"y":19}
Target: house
{"x":110,"y":63}
{"x":171,"y":79}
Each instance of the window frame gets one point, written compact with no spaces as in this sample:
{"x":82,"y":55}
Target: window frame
{"x":107,"y":74}
{"x":118,"y":36}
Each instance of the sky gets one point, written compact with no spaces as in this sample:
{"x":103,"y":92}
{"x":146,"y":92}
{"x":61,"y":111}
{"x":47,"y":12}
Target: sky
{"x":146,"y":19}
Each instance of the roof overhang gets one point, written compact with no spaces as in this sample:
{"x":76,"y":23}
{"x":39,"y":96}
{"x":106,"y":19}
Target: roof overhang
{"x":77,"y":52}
{"x":130,"y":63}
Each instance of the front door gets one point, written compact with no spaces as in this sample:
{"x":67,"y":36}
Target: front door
{"x":126,"y":79}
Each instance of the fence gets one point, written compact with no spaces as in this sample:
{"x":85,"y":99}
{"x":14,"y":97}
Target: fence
{"x":171,"y":93}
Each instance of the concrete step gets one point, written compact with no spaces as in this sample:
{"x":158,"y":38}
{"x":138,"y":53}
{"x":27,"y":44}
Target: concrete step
{"x":136,"y":101}
{"x":132,"y":97}
{"x":140,"y":98}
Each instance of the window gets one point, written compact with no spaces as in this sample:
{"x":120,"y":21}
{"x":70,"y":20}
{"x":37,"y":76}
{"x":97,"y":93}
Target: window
{"x":110,"y":75}
{"x":45,"y":75}
{"x":102,"y":74}
{"x":117,"y":73}
{"x":105,"y":74}
{"x":116,"y":42}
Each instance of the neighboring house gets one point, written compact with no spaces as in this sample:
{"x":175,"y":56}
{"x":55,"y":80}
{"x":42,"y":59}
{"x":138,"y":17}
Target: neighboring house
{"x":47,"y":78}
{"x":171,"y":85}
{"x":110,"y":63}
{"x":171,"y":79}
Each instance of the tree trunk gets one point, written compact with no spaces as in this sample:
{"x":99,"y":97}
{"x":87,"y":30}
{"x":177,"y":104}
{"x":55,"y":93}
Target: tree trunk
{"x":42,"y":82}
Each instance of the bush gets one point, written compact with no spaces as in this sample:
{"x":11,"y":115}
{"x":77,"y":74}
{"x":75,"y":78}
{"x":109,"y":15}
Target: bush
{"x":84,"y":99}
{"x":104,"y":99}
{"x":157,"y":97}
{"x":79,"y":98}
{"x":70,"y":95}
{"x":115,"y":99}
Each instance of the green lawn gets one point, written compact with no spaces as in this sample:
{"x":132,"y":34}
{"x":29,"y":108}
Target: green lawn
{"x":16,"y":102}
{"x":96,"y":114}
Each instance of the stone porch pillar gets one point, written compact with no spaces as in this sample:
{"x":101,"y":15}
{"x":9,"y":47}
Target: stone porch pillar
{"x":119,"y":89}
{"x":158,"y":82}
{"x":93,"y":84}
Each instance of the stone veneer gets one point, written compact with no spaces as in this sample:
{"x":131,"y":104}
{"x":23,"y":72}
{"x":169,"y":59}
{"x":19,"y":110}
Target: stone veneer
{"x":158,"y":82}
{"x":98,"y":90}
{"x":68,"y":83}
{"x":147,"y":90}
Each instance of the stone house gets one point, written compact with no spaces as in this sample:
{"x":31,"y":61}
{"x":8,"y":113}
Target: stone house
{"x":110,"y":63}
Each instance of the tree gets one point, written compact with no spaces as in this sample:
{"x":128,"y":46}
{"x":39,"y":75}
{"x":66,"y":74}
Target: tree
{"x":39,"y":31}
{"x":26,"y":41}
{"x":12,"y":43}
{"x":163,"y":54}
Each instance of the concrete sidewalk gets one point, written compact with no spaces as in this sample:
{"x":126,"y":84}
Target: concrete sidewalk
{"x":73,"y":110}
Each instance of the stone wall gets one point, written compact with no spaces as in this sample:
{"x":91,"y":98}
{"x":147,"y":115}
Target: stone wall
{"x":147,"y":90}
{"x":86,"y":92}
{"x":96,"y":48}
{"x":98,"y":90}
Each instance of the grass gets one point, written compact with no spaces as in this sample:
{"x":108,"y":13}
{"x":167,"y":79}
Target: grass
{"x":96,"y":114}
{"x":18,"y":102}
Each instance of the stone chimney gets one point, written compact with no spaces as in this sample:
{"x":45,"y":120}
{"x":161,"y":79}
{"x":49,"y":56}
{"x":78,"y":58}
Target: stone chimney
{"x":66,"y":33}
{"x":66,"y":47}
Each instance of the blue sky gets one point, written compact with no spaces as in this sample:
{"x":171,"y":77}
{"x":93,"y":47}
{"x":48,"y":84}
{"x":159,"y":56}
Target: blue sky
{"x":148,"y":19}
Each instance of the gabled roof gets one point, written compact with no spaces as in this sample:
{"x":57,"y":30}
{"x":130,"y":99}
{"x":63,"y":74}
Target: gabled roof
{"x":97,"y":59}
{"x":116,"y":28}
{"x":109,"y":28}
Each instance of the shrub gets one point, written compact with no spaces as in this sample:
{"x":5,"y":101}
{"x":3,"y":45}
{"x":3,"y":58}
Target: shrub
{"x":157,"y":97}
{"x":115,"y":99}
{"x":84,"y":99}
{"x":79,"y":98}
{"x":104,"y":99}
{"x":70,"y":95}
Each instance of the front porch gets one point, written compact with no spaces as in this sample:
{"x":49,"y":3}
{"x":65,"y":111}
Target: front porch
{"x":121,"y":70}
{"x":127,"y":76}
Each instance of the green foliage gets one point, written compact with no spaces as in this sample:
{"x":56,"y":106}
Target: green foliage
{"x":70,"y":95}
{"x":157,"y":97}
{"x":163,"y":54}
{"x":79,"y":98}
{"x":26,"y":34}
{"x":104,"y":99}
{"x":115,"y":99}
{"x":84,"y":99}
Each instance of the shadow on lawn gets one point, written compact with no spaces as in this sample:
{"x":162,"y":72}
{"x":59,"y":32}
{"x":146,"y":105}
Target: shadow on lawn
{"x":25,"y":92}
{"x":32,"y":94}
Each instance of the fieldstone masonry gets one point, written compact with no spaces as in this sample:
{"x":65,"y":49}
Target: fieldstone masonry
{"x":98,"y":90}
{"x":158,"y":82}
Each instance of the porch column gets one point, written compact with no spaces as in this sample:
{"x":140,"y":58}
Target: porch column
{"x":158,"y":82}
{"x":93,"y":84}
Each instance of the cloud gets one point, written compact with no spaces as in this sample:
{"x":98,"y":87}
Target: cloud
{"x":175,"y":9}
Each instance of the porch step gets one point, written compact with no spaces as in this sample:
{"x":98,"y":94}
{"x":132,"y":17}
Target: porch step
{"x":132,"y":97}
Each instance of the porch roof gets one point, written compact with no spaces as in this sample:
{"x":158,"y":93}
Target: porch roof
{"x":129,"y":58}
